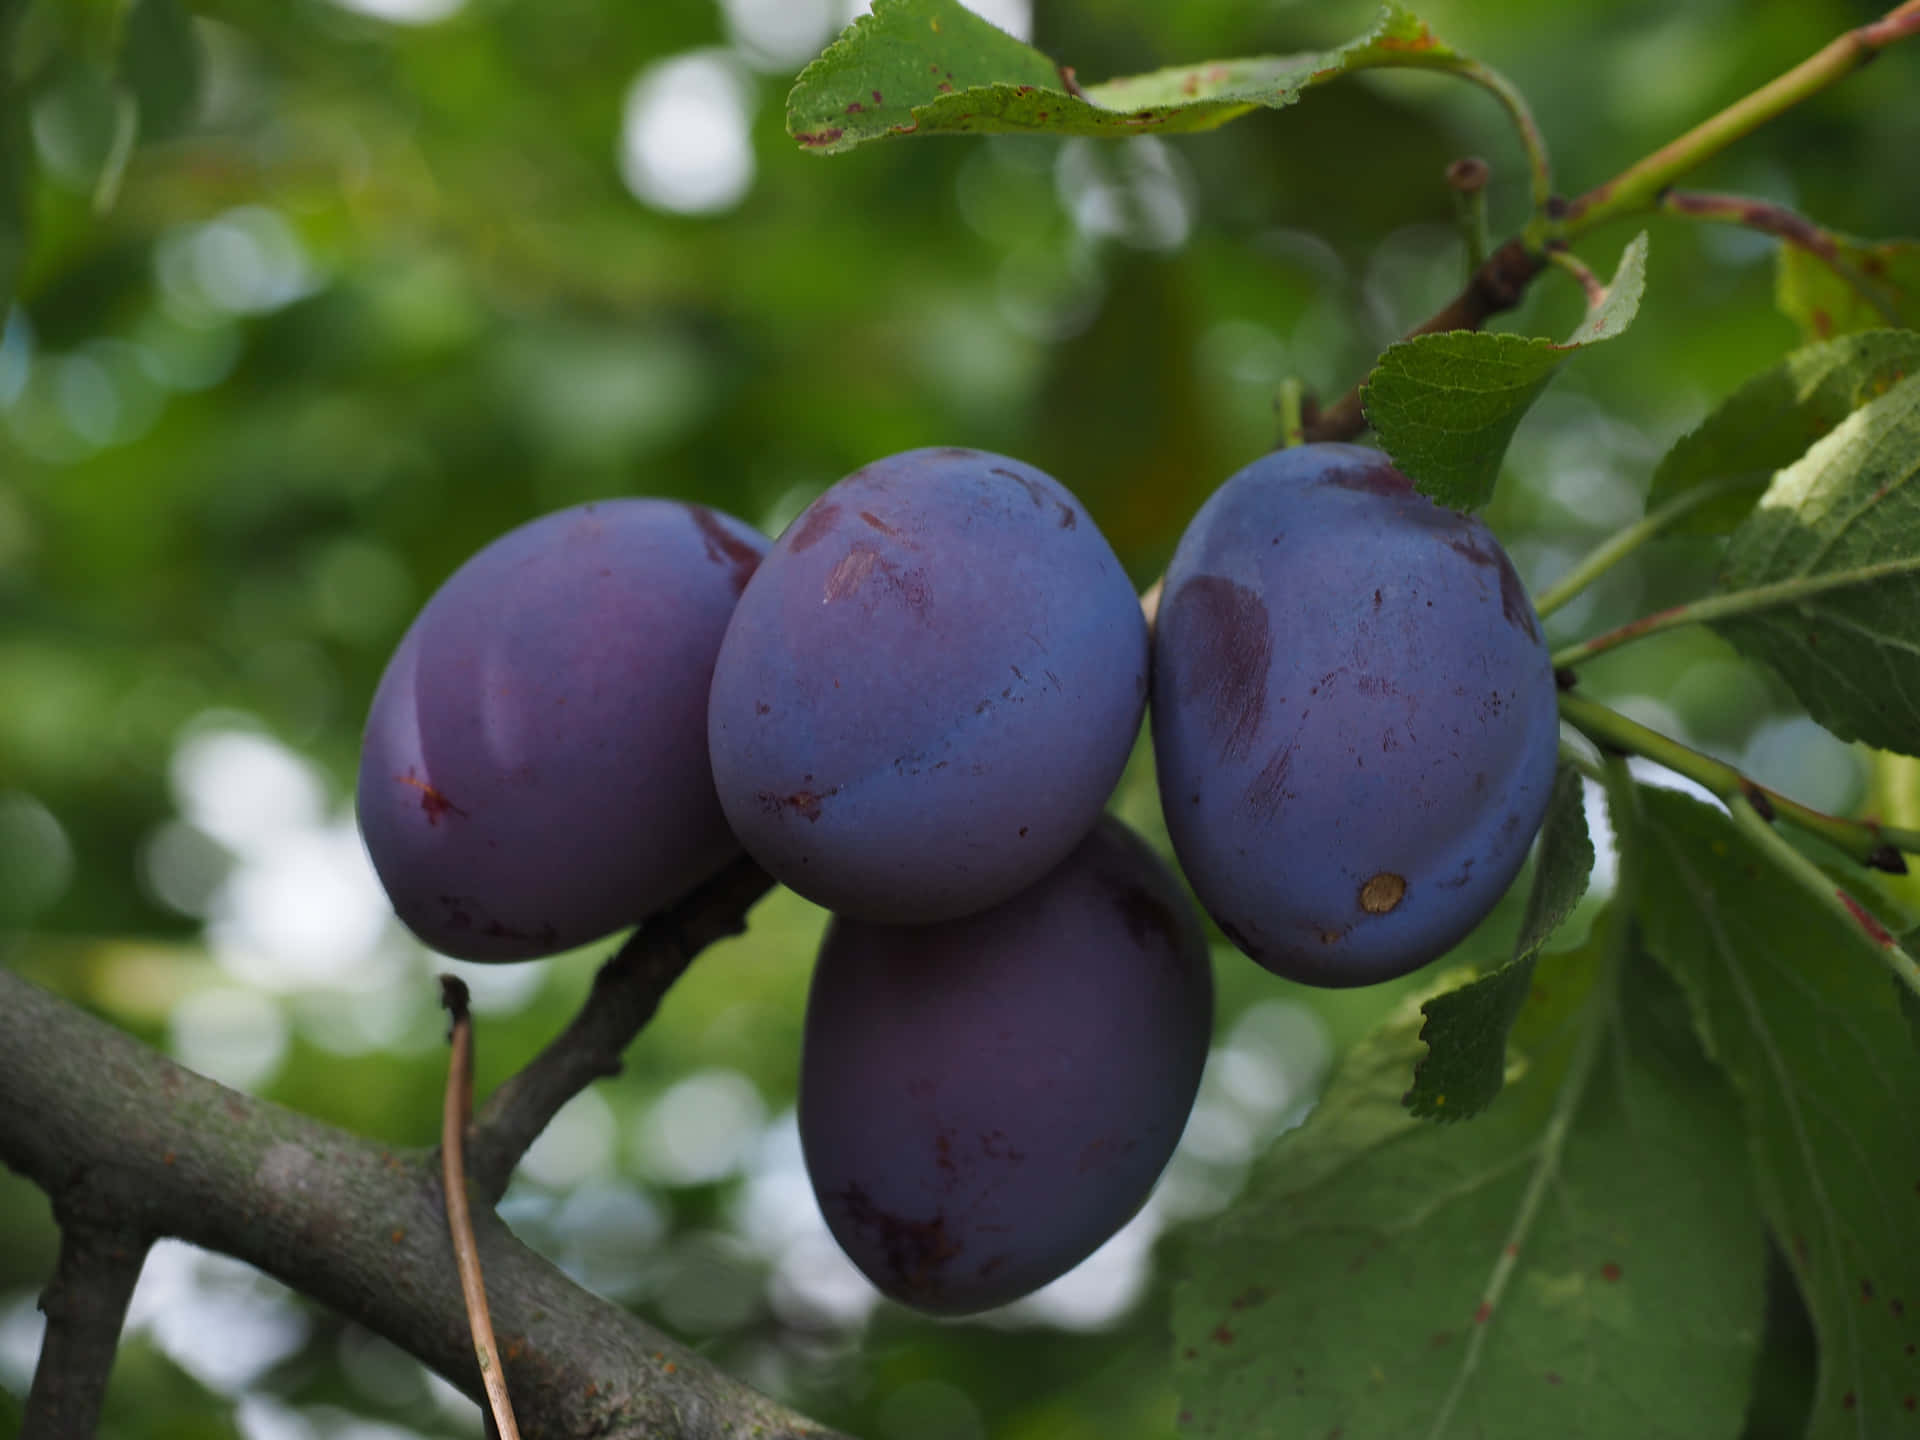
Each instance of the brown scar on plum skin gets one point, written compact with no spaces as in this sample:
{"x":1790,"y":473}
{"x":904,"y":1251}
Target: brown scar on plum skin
{"x":914,"y":1248}
{"x":1382,"y":893}
{"x":726,"y":548}
{"x":433,"y":804}
{"x":812,"y":527}
{"x":1514,"y":605}
{"x":1229,"y":645}
{"x":804,"y":803}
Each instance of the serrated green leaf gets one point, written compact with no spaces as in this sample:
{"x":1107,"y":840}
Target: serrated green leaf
{"x":932,"y":67}
{"x":1830,"y":559}
{"x":1466,"y":1029}
{"x":1881,"y":287}
{"x":1586,"y":1259}
{"x":1445,"y":406}
{"x":161,"y":61}
{"x":1769,"y":422}
{"x":1794,"y":1004}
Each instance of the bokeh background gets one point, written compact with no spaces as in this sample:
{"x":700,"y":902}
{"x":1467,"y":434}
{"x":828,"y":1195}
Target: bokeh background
{"x":369,"y":282}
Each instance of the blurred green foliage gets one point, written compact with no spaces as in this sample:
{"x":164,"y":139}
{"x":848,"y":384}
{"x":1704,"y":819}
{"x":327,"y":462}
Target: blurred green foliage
{"x":312,"y":304}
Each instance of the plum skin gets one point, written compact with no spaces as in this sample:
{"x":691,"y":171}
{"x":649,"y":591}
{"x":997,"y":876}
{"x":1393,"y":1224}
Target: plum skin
{"x":533,"y":773}
{"x":1354,"y":714}
{"x":929,"y":689}
{"x":984,"y":1102}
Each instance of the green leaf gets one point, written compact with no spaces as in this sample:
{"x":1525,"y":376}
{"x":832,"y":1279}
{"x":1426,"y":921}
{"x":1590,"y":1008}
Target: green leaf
{"x":16,"y":191}
{"x":162,"y":63}
{"x":83,"y":129}
{"x":1445,"y":406}
{"x":1830,"y":561}
{"x":1795,"y":1005}
{"x":1769,"y":422}
{"x":1586,"y":1259}
{"x":1466,"y":1029}
{"x":1881,"y":287}
{"x":932,"y":67}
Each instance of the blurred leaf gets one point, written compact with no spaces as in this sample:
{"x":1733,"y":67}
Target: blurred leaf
{"x":83,"y":127}
{"x":1844,"y":521}
{"x":1769,"y":422}
{"x":16,"y":190}
{"x":1466,"y":1029}
{"x":1795,"y":1005}
{"x":1589,"y":1244}
{"x":162,"y":64}
{"x":1824,"y":303}
{"x":1445,"y":406}
{"x":932,"y":67}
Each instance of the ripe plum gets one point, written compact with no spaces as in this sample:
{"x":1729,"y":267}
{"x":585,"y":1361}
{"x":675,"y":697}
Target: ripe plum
{"x":1354,"y":716}
{"x":984,"y":1102}
{"x":929,"y":690}
{"x":534,"y":773}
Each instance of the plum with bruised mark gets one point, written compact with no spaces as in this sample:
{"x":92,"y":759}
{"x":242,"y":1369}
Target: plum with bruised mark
{"x":534,"y":771}
{"x":1352,"y":694}
{"x":949,"y":666}
{"x":985,"y":1101}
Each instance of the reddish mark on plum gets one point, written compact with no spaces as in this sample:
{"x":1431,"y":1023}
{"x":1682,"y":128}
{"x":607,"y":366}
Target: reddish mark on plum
{"x":760,"y":707}
{"x":812,"y":526}
{"x":1373,"y":479}
{"x":943,"y":1151}
{"x":1865,"y":920}
{"x":804,"y":803}
{"x":1023,"y":832}
{"x":995,"y":1146}
{"x":862,"y":563}
{"x":1224,"y":632}
{"x":986,"y":1269}
{"x":724,"y":547}
{"x":1466,"y":871}
{"x":1222,"y":1334}
{"x":1269,"y":787}
{"x":877,"y":523}
{"x":1146,"y":915}
{"x":1610,"y":1272}
{"x":1515,"y":608}
{"x":1483,"y":1314}
{"x":433,"y":803}
{"x":914,"y":1249}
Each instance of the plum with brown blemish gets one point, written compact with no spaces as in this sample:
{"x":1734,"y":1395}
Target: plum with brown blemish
{"x":984,"y":1102}
{"x":534,"y":771}
{"x":944,"y":655}
{"x":1353,"y":699}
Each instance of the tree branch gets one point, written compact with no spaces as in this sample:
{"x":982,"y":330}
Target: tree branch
{"x":85,"y":1304}
{"x":356,"y":1226}
{"x":625,"y":995}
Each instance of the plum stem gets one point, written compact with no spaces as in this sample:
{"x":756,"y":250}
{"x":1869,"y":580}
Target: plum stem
{"x":1866,"y":842}
{"x":1617,"y":547}
{"x":626,"y":993}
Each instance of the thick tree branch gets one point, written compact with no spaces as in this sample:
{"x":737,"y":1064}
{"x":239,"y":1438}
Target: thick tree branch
{"x":625,"y":995}
{"x":358,"y":1227}
{"x":85,"y":1305}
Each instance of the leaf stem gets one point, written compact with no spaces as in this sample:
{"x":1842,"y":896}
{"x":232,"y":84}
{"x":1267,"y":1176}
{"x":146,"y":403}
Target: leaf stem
{"x":1590,"y":285}
{"x":1468,"y":179}
{"x":1865,"y":841}
{"x":1640,"y":185}
{"x":1835,"y":900}
{"x":1292,"y":403}
{"x":1750,"y":601}
{"x":1532,"y":141}
{"x":1782,"y":223}
{"x":1611,"y":551}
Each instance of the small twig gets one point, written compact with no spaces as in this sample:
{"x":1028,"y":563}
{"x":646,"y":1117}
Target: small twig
{"x":453,"y":1175}
{"x":1616,"y":547}
{"x":86,"y":1305}
{"x":1866,"y":842}
{"x":1778,"y":221}
{"x":1496,"y":286}
{"x":625,"y":995}
{"x":1468,"y":180}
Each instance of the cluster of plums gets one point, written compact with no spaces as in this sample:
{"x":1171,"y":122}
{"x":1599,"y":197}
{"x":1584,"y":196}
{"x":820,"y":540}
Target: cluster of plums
{"x":912,"y":708}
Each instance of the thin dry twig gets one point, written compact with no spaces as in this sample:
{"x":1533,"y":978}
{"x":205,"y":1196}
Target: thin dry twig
{"x":453,"y":1173}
